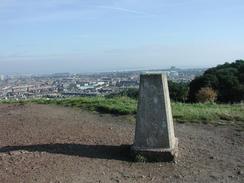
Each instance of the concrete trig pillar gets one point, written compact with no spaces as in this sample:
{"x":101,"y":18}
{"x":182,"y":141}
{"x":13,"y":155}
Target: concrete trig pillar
{"x":154,"y":134}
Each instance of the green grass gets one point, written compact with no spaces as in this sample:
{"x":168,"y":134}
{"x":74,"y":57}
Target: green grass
{"x":208,"y":113}
{"x":196,"y":113}
{"x":118,"y":105}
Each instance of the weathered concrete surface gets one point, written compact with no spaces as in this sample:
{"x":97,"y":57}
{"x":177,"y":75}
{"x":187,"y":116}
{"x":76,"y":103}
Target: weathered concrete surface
{"x":154,"y":135}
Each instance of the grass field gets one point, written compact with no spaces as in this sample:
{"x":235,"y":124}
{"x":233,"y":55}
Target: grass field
{"x":182,"y":112}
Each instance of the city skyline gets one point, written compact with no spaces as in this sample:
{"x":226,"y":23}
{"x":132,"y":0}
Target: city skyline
{"x":93,"y":36}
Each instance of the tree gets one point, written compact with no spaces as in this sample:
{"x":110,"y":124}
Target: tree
{"x":227,"y":79}
{"x":206,"y":94}
{"x":178,"y":91}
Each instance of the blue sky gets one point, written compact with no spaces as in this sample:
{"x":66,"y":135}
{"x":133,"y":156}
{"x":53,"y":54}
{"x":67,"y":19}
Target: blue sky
{"x":104,"y":35}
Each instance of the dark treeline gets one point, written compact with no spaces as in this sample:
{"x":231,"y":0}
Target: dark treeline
{"x":226,"y":80}
{"x":223,"y":84}
{"x":178,"y":92}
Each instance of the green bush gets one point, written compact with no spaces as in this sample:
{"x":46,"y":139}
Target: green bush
{"x":178,"y":91}
{"x":206,"y":94}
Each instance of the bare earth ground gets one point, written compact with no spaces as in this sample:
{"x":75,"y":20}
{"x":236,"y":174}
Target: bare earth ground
{"x":44,"y":144}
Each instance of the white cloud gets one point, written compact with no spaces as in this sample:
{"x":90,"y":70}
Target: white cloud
{"x":123,"y":10}
{"x":59,"y":10}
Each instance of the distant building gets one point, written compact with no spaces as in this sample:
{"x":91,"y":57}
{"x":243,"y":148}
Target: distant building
{"x":173,"y":68}
{"x":2,"y":77}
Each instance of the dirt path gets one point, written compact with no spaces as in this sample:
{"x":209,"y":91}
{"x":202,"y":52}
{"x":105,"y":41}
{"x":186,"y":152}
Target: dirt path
{"x":44,"y":144}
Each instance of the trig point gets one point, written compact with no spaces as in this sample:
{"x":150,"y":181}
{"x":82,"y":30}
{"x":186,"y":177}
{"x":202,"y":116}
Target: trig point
{"x":154,"y":134}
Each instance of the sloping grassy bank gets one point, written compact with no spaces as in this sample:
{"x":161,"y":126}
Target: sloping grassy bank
{"x":204,"y":113}
{"x":117,"y":105}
